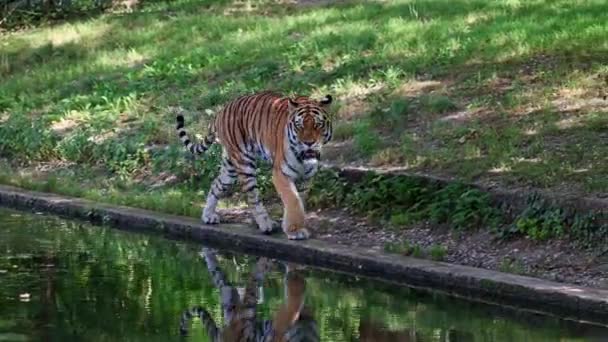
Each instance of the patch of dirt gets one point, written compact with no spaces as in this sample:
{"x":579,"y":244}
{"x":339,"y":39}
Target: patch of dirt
{"x":556,"y":260}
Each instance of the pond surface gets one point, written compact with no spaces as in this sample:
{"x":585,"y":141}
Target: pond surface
{"x":69,"y":281}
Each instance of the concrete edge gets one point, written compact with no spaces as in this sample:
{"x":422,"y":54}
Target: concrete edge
{"x":531,"y":294}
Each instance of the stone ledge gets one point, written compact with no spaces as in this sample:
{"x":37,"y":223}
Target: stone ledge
{"x":558,"y":299}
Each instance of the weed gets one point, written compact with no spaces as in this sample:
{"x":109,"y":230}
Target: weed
{"x":434,"y":252}
{"x":540,"y":222}
{"x":437,"y":104}
{"x":343,"y":131}
{"x":514,"y":266}
{"x":389,"y":155}
{"x":403,"y":200}
{"x":366,"y":140}
{"x":589,"y":230}
{"x":417,"y":252}
{"x":404,"y":248}
{"x":394,"y":116}
{"x":437,"y":252}
{"x":462,"y":206}
{"x":397,"y":247}
{"x":401,"y":219}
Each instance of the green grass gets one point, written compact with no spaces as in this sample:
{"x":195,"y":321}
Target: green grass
{"x":434,"y":252}
{"x":513,"y":266}
{"x":500,"y":90}
{"x":402,"y":200}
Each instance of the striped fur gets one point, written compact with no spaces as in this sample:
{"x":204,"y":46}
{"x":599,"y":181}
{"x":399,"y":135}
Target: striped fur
{"x":291,"y":323}
{"x":287,"y":132}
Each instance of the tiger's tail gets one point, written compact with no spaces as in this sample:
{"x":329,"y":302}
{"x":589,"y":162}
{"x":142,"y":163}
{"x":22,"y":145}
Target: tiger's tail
{"x":193,"y":147}
{"x":206,"y":319}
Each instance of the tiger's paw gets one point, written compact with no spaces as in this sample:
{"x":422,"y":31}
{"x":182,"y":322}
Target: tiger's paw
{"x":298,"y":234}
{"x":266,"y":224}
{"x":210,"y":218}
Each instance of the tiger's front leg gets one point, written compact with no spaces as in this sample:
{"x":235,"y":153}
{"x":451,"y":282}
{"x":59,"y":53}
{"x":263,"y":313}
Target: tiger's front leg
{"x":293,"y":208}
{"x":247,"y":177}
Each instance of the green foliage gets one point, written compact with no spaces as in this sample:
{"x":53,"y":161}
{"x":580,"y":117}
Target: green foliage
{"x":437,"y":252}
{"x":327,"y":188}
{"x":403,"y":200}
{"x":462,"y":206}
{"x":541,"y":221}
{"x":366,"y":139}
{"x":26,"y":139}
{"x":404,"y":248}
{"x":589,"y":230}
{"x":434,"y":252}
{"x":514,"y":266}
{"x":343,"y":131}
{"x":394,"y":116}
{"x":437,"y":104}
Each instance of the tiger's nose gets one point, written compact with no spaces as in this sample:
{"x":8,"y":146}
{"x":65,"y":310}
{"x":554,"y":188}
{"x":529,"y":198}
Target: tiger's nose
{"x":309,"y":143}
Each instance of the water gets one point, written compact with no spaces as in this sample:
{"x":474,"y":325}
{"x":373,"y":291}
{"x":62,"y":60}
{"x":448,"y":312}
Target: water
{"x":68,"y":281}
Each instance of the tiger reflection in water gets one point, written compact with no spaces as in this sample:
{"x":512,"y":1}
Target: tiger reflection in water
{"x":293,"y":322}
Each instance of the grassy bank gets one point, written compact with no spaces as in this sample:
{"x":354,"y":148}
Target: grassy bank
{"x":504,"y":91}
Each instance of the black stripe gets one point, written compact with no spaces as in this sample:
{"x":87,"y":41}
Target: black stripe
{"x":186,"y":142}
{"x":249,"y":188}
{"x":225,"y":185}
{"x":250,"y":164}
{"x":182,"y":133}
{"x":247,"y":174}
{"x":290,"y":167}
{"x":248,"y":157}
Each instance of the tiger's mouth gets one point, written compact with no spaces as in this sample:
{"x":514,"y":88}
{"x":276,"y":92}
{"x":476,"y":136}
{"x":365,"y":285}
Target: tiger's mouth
{"x":310,"y":154}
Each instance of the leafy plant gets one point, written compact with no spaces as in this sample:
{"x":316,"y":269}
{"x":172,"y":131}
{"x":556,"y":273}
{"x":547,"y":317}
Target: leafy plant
{"x":437,"y":252}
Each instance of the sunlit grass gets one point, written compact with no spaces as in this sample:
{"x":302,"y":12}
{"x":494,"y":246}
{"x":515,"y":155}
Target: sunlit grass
{"x":467,"y":78}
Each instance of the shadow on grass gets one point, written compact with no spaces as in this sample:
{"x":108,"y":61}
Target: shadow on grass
{"x":117,"y":73}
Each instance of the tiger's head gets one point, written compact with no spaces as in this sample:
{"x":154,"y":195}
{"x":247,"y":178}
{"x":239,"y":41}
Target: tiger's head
{"x":309,"y":127}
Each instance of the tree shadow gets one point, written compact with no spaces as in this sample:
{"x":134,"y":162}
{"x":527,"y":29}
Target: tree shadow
{"x":192,"y":54}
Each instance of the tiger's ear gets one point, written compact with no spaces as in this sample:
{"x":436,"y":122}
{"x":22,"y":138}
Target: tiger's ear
{"x":292,"y":105}
{"x":326,"y":101}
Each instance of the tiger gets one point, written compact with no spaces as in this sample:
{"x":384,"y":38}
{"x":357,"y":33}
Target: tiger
{"x":292,"y":322}
{"x":287,"y":132}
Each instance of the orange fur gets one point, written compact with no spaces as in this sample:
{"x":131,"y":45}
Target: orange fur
{"x":257,"y":125}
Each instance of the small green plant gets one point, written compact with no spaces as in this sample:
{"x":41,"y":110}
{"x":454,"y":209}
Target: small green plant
{"x":404,"y":248}
{"x":394,"y":116}
{"x":510,"y":265}
{"x":401,"y":219}
{"x":366,"y":139}
{"x":403,"y":200}
{"x":437,"y":103}
{"x":589,"y":230}
{"x":416,"y":251}
{"x":540,"y":222}
{"x":327,"y":189}
{"x":343,"y":131}
{"x":437,"y":252}
{"x":462,"y":207}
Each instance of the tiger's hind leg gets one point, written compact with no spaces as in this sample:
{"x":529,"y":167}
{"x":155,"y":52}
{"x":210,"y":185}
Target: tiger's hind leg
{"x":247,"y":177}
{"x":219,"y":189}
